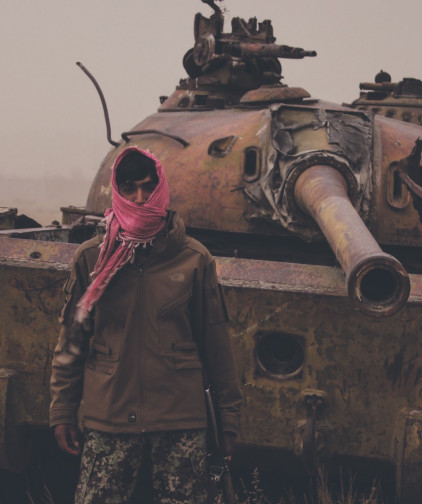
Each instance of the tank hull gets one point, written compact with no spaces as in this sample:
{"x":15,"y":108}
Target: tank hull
{"x":32,"y":275}
{"x":367,"y":371}
{"x":296,"y":336}
{"x":284,"y":138}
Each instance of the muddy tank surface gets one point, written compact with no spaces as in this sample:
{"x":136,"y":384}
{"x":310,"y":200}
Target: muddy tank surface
{"x":318,"y":248}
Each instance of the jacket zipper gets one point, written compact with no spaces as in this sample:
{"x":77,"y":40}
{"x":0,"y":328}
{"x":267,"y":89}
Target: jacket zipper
{"x":141,"y":353}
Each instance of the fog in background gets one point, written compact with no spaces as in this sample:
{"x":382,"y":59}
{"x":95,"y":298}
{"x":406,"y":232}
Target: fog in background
{"x":52,"y":127}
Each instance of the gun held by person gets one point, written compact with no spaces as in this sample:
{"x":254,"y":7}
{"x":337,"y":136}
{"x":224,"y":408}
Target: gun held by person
{"x":218,"y":463}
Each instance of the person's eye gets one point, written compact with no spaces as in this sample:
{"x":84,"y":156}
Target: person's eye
{"x":127,"y":188}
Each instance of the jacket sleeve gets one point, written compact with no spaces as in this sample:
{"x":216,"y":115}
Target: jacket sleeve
{"x":219,"y":357}
{"x":71,"y":351}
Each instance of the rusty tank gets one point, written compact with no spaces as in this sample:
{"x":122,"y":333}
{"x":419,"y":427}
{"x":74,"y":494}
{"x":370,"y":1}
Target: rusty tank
{"x":399,"y":100}
{"x":317,"y":241}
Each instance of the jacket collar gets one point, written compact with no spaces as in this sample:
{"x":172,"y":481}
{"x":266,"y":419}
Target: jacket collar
{"x":171,"y":237}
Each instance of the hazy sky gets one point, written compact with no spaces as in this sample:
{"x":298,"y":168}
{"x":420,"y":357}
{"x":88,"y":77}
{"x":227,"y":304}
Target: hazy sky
{"x":51,"y":117}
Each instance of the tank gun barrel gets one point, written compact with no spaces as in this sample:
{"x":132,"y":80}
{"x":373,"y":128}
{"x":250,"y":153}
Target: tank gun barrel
{"x":274,"y":50}
{"x":376,"y":282}
{"x":379,"y":86}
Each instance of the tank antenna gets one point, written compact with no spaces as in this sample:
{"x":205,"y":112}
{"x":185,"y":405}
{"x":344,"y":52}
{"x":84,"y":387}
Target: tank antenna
{"x":97,"y":87}
{"x":213,"y":5}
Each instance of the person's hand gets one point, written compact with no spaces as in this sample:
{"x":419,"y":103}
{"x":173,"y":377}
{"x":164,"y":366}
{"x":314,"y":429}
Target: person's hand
{"x":229,"y":439}
{"x":68,"y":437}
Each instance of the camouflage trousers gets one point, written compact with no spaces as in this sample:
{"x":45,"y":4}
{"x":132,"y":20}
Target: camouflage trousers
{"x":111,"y":464}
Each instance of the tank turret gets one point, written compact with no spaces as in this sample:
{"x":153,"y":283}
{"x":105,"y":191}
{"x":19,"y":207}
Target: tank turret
{"x":257,"y":136}
{"x":399,"y":100}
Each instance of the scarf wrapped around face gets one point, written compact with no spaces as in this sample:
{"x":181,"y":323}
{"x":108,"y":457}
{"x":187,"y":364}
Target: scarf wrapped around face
{"x":128,"y":225}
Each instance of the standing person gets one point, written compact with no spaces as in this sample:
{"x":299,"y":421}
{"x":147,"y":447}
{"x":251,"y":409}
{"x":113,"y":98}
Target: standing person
{"x":138,"y":301}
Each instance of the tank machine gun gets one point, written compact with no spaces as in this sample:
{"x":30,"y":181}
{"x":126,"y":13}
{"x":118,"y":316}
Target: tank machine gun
{"x":246,"y":58}
{"x":327,"y":371}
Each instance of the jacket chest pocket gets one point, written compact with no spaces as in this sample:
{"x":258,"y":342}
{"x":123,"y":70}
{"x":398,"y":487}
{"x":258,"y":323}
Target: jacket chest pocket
{"x":174,"y":323}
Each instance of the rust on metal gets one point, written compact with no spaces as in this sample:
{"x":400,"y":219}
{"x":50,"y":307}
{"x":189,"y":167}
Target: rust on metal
{"x":14,"y":443}
{"x":376,"y":281}
{"x":36,"y":254}
{"x":407,"y":451}
{"x":398,"y":100}
{"x":390,"y":225}
{"x":103,"y":103}
{"x":7,"y":217}
{"x":32,"y":277}
{"x":274,"y":94}
{"x":270,"y":275}
{"x":128,"y":134}
{"x":409,"y":171}
{"x":274,"y":50}
{"x":293,"y":277}
{"x":213,"y":204}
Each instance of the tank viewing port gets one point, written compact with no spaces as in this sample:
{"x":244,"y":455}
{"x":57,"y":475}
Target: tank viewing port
{"x":279,"y":355}
{"x":251,"y":164}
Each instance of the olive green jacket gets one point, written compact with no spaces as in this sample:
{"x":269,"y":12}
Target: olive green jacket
{"x":137,"y":367}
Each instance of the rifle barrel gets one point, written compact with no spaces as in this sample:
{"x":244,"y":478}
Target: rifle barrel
{"x":275,"y":50}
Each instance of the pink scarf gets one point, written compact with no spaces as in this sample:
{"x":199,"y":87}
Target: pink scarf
{"x":128,"y":224}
